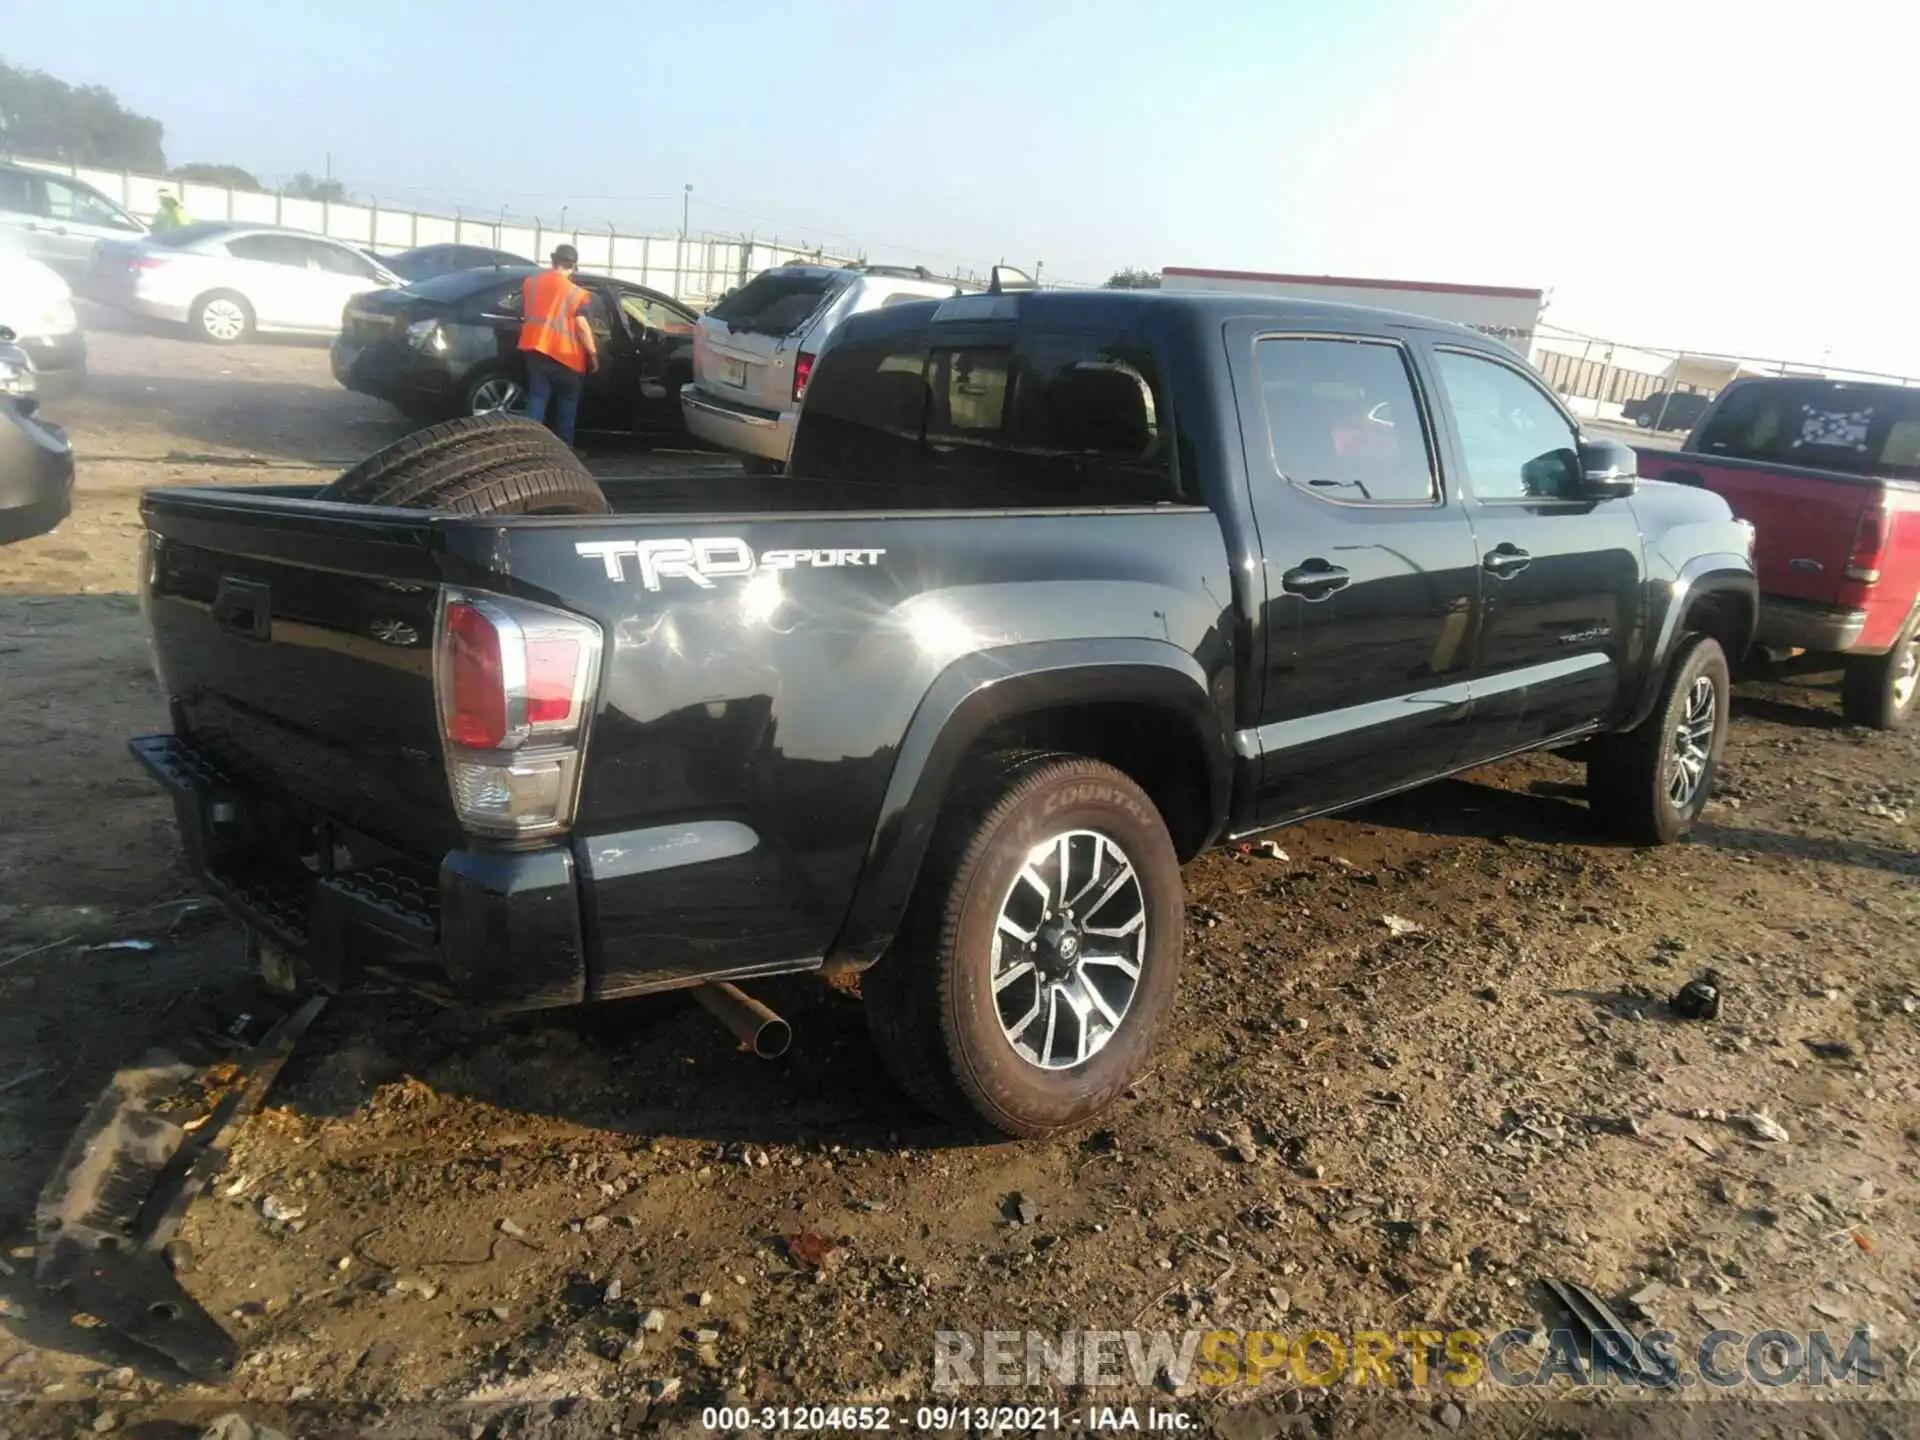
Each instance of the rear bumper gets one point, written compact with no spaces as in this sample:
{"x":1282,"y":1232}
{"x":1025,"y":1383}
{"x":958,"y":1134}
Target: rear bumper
{"x":1801,"y":625}
{"x":492,"y":930}
{"x":743,"y":429}
{"x":36,"y":475}
{"x":397,"y":374}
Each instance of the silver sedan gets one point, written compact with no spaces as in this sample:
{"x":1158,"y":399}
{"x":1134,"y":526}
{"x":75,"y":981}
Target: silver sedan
{"x":226,"y":281}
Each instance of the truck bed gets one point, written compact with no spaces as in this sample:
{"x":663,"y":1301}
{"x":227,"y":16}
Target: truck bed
{"x":766,"y":645}
{"x":1807,"y":523}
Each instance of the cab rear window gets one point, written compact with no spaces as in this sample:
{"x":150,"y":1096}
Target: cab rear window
{"x":1819,"y":424}
{"x":1046,"y":419}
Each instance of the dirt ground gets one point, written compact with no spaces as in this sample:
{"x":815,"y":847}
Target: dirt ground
{"x":1349,"y":1128}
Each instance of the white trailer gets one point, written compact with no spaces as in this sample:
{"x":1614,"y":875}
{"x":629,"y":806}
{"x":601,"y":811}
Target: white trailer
{"x":1504,"y":312}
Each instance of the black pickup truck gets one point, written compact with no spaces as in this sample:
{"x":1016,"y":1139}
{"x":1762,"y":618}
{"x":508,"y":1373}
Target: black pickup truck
{"x":1061,"y":590}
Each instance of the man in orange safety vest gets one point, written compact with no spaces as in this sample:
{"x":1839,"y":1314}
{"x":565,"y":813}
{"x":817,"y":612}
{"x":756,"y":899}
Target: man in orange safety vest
{"x":557,"y":342}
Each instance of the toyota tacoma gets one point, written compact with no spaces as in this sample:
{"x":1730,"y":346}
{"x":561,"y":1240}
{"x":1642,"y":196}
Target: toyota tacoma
{"x":1060,"y":590}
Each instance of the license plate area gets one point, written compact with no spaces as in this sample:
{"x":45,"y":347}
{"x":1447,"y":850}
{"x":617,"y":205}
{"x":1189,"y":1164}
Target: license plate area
{"x":733,"y":372}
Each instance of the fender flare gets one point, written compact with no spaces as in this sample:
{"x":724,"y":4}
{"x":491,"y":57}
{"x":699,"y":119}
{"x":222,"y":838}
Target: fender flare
{"x":980,"y":690}
{"x":1721,"y":573}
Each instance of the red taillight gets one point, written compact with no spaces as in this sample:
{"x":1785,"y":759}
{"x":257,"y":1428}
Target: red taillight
{"x":802,"y":372}
{"x":551,"y":668}
{"x":146,"y":262}
{"x":515,"y":683}
{"x":476,"y":711}
{"x":1870,"y":539}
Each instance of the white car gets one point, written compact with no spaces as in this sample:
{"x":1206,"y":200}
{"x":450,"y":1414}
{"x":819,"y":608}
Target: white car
{"x":37,"y":307}
{"x":226,"y":281}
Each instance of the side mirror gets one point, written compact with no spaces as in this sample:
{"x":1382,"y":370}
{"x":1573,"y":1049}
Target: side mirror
{"x":7,"y":337}
{"x":1608,"y":469}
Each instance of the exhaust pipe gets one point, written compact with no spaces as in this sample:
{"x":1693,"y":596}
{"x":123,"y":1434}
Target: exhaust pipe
{"x":755,"y":1026}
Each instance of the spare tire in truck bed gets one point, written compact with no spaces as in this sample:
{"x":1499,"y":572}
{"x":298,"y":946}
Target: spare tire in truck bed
{"x":475,"y":465}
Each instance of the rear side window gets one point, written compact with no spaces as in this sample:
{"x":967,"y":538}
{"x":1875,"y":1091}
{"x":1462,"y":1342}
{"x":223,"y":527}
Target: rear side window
{"x":772,"y":303}
{"x":1342,"y":420}
{"x":19,"y":193}
{"x":1823,"y":425}
{"x":273,"y":249}
{"x":1052,"y":419}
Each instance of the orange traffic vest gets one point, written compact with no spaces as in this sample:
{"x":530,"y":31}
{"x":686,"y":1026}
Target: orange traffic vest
{"x":549,"y":305}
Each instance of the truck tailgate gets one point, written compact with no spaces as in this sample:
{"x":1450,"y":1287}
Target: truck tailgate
{"x":302,"y":659}
{"x":1804,"y":521}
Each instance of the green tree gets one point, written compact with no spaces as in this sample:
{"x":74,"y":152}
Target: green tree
{"x":1133,"y":280}
{"x":48,"y":119}
{"x":304,"y":187}
{"x":202,"y":173}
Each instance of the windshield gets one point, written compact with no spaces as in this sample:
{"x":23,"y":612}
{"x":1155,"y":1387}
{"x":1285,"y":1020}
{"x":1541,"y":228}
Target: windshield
{"x":1819,"y":424}
{"x":773,"y":303}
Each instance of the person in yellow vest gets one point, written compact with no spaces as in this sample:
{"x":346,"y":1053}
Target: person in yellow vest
{"x":170,"y":216}
{"x":557,"y":342}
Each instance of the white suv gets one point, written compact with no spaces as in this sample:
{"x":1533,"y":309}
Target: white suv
{"x":753,"y":352}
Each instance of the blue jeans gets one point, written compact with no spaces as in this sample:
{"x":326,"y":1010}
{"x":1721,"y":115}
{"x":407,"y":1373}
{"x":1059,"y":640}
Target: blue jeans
{"x":548,"y":379}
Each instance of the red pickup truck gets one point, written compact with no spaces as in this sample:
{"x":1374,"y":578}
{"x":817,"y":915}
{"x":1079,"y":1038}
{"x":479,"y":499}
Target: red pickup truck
{"x":1828,"y":472}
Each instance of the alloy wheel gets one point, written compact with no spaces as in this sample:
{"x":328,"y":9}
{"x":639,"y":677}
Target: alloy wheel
{"x":1907,"y":676}
{"x":496,"y":395}
{"x":1692,"y":743}
{"x":1068,"y":948}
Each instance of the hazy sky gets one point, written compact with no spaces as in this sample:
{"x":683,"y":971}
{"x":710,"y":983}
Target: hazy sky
{"x":1675,"y":172}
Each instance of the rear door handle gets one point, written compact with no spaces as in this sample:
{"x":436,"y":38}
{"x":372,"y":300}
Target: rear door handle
{"x":1315,"y":579}
{"x":1504,"y":560}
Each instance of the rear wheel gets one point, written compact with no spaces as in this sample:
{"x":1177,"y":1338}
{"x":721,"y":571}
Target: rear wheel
{"x":1038,"y":961}
{"x":1879,"y":690}
{"x":452,"y":451}
{"x":494,"y":392}
{"x":754,"y":465}
{"x":222,"y":318}
{"x":1651,"y":783}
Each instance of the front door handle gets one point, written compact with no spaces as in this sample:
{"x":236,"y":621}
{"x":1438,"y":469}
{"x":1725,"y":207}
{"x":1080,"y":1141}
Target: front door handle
{"x":1315,"y":579}
{"x":1505,"y":560}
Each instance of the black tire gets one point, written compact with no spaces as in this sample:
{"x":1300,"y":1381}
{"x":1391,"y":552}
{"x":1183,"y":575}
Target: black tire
{"x":517,"y":488}
{"x":210,"y":317}
{"x":754,"y":465}
{"x":452,"y":450}
{"x":1630,"y":775}
{"x":930,"y":1002}
{"x":1872,"y":686}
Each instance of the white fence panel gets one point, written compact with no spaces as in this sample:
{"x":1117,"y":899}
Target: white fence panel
{"x":352,"y":223}
{"x":393,"y":230}
{"x":252,"y":208}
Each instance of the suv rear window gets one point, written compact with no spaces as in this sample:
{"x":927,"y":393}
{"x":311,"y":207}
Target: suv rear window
{"x":1821,"y":424}
{"x":1051,"y":419}
{"x":772,"y":303}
